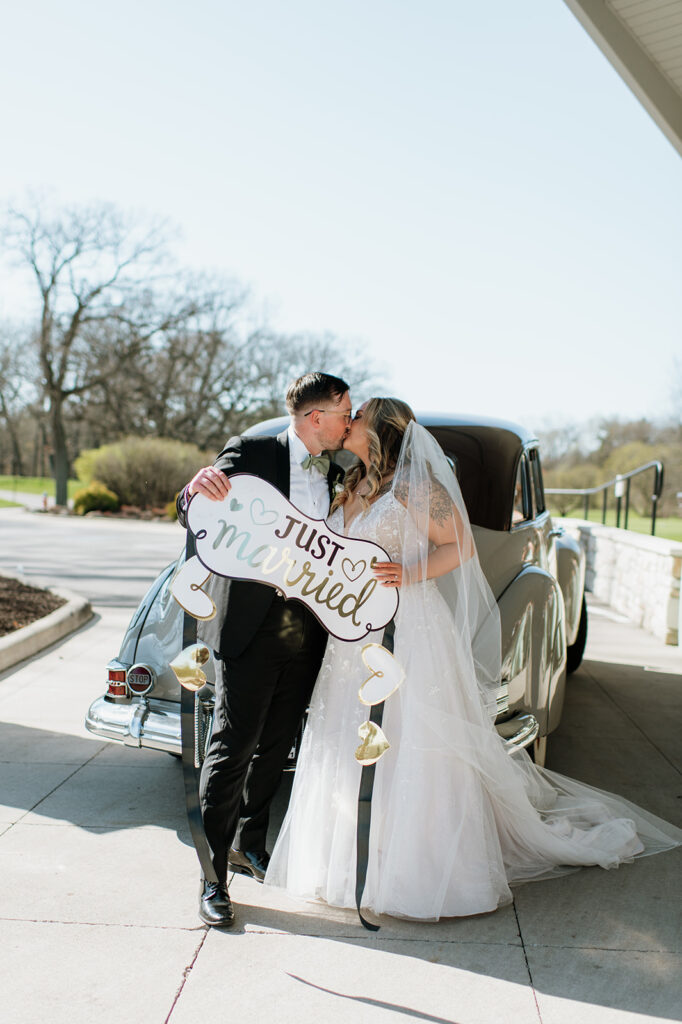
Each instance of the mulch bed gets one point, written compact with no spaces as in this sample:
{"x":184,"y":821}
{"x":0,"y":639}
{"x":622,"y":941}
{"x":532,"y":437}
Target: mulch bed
{"x":20,"y":604}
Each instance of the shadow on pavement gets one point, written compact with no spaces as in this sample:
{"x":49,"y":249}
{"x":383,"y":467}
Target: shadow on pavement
{"x":599,"y":938}
{"x":86,"y":782}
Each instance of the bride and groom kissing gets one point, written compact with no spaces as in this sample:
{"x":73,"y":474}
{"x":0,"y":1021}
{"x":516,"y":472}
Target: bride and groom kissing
{"x":456,"y":819}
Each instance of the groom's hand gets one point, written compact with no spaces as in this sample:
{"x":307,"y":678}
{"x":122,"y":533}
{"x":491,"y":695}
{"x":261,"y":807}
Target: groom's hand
{"x":210,"y":482}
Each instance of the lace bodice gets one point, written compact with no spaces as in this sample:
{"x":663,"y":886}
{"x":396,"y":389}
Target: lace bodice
{"x":381,"y":522}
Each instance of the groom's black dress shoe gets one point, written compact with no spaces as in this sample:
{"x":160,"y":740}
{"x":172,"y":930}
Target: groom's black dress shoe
{"x":248,"y":862}
{"x":215,"y":906}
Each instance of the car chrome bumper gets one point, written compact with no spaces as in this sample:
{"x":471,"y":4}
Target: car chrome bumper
{"x":156,"y":724}
{"x":519,"y":731}
{"x":138,"y":724}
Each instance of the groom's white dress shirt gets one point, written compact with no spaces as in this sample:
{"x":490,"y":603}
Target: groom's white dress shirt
{"x":308,"y":488}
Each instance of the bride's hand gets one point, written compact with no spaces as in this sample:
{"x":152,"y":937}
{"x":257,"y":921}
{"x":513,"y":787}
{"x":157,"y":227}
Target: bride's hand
{"x":389,"y":574}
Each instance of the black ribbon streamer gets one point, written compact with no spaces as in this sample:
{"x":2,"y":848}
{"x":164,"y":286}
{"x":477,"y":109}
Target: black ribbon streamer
{"x":190,"y":776}
{"x":365,"y":801}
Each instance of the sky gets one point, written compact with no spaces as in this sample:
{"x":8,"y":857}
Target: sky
{"x":466,"y":192}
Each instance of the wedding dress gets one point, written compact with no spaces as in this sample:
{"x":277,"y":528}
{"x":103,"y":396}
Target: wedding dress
{"x":456,"y":819}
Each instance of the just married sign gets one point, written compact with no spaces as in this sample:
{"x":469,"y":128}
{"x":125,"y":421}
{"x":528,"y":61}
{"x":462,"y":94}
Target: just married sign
{"x":256,"y":534}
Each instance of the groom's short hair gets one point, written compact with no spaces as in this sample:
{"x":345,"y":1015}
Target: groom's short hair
{"x":313,"y":388}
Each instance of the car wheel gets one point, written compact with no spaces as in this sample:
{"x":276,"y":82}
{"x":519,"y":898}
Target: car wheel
{"x":538,"y":751}
{"x":574,"y":653}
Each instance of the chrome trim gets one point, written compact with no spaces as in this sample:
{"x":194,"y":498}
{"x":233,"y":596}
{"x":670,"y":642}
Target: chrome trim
{"x":203,"y":724}
{"x":156,"y":724}
{"x":138,"y":724}
{"x":519,"y":731}
{"x":133,"y":734}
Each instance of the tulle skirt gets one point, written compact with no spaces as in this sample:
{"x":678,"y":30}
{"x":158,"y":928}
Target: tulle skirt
{"x":456,"y":819}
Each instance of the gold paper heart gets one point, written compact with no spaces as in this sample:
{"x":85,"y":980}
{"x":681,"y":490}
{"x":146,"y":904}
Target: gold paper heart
{"x":374,"y":743}
{"x":387,"y":674}
{"x":187,"y":666}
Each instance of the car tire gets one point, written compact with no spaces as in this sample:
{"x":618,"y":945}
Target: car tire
{"x":574,"y":653}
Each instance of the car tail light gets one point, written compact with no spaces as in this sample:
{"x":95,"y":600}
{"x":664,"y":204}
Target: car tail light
{"x":116,"y":680}
{"x":140,"y":679}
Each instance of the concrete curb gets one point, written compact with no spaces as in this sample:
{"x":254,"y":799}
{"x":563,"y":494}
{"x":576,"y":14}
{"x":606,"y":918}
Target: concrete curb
{"x":24,"y":643}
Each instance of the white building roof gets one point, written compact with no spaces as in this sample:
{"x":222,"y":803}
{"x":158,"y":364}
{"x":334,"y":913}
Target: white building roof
{"x":643,"y":41}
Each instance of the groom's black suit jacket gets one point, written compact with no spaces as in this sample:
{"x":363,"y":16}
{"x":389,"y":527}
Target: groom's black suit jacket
{"x":242,"y":605}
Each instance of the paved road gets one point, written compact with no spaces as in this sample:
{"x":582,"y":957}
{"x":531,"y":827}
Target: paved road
{"x":109,"y":561}
{"x":99,"y":879}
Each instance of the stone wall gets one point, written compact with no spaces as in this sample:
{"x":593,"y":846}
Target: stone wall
{"x":636,"y":575}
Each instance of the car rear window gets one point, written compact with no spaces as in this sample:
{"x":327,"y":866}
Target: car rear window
{"x":485,"y":460}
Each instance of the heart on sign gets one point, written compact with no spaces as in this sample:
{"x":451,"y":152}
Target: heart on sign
{"x":373,"y":745}
{"x":260,"y":515}
{"x":235,"y":506}
{"x":386,"y":674}
{"x":186,"y":589}
{"x":351,"y":570}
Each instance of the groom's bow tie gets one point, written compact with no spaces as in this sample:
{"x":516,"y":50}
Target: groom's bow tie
{"x":320,"y":462}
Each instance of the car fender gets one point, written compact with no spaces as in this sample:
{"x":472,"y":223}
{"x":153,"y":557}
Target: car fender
{"x":140,"y":621}
{"x":154,"y":636}
{"x":571,"y":576}
{"x":534,"y":645}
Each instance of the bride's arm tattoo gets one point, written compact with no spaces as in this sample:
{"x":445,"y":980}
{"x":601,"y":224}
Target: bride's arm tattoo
{"x":384,"y":489}
{"x":441,"y":508}
{"x":435,"y":498}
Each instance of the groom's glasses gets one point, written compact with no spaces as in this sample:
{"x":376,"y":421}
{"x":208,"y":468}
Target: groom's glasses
{"x":348,"y":416}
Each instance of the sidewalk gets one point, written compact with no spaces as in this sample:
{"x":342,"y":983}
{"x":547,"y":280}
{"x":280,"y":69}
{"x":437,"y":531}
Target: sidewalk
{"x":32,"y":501}
{"x":99,"y":880}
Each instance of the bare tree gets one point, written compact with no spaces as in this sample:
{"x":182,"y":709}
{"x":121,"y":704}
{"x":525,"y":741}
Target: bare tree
{"x":17,"y":386}
{"x":676,"y":391}
{"x":214,"y":375}
{"x":123,"y":346}
{"x":87,"y":264}
{"x":613,"y":433}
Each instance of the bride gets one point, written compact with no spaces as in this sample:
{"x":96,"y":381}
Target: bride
{"x":456,"y":819}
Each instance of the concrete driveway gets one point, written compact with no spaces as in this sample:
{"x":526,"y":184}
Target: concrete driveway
{"x":99,"y":880}
{"x":111,"y":562}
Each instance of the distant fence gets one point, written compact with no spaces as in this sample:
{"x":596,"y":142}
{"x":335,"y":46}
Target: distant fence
{"x":621,"y":487}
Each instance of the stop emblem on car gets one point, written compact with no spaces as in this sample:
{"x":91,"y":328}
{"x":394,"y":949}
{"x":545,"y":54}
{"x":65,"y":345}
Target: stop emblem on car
{"x":140,"y":679}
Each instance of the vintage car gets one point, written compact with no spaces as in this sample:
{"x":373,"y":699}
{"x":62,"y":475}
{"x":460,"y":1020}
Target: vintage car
{"x":536,"y":571}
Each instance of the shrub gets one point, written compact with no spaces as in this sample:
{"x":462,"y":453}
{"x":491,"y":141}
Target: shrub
{"x":172,"y":507}
{"x":95,"y":498}
{"x":84,"y":465}
{"x":146,"y":472}
{"x":570,"y":477}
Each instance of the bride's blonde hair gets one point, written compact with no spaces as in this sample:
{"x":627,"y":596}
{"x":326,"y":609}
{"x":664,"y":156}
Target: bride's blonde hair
{"x":385,"y":421}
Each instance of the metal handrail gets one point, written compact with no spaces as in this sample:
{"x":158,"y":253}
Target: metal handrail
{"x":621,"y":484}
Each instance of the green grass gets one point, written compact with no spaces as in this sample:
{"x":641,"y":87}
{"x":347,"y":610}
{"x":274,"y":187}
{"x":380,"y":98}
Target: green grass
{"x":8,"y":504}
{"x":669,"y":528}
{"x":35,"y":485}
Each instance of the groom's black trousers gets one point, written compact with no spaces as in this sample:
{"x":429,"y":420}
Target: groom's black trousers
{"x":260,"y":699}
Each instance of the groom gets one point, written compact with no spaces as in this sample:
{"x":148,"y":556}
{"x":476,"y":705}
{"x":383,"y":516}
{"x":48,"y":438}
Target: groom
{"x":267,"y":650}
